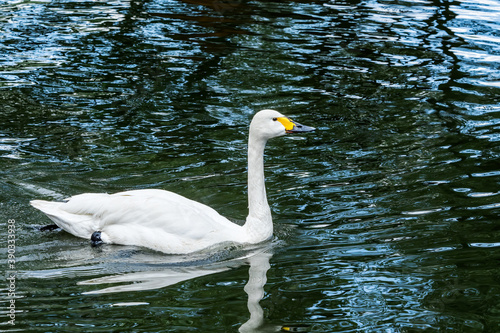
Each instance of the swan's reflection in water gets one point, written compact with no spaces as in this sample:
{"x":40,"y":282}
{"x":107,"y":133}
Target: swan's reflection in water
{"x":257,"y":259}
{"x":259,"y":265}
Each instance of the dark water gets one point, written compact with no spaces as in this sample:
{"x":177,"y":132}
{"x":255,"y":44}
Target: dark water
{"x":387,"y":217}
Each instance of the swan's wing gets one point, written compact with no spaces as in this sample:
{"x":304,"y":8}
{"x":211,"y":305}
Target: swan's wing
{"x":157,"y":219}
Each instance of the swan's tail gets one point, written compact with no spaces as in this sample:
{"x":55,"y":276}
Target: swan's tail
{"x":76,"y":224}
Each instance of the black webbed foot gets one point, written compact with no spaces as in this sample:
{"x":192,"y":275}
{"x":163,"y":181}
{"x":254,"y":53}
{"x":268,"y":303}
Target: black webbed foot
{"x":50,"y":227}
{"x":95,"y":239}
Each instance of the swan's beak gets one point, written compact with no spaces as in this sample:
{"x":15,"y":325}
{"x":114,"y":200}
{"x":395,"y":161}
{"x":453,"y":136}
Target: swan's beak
{"x":294,"y":127}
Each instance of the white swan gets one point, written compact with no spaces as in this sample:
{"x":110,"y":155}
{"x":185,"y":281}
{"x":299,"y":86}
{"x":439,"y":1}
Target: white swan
{"x":170,"y":223}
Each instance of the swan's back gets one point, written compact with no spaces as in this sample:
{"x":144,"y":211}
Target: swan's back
{"x":157,"y":219}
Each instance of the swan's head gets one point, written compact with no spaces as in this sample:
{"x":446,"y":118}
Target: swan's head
{"x":268,"y":124}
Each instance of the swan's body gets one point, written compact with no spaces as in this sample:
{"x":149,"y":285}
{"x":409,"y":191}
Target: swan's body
{"x":170,"y":223}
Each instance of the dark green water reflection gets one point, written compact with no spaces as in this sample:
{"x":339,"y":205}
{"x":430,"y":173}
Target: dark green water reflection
{"x":386,"y":217}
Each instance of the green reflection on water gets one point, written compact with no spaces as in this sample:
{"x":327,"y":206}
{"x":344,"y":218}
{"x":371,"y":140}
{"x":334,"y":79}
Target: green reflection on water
{"x":387,"y":216}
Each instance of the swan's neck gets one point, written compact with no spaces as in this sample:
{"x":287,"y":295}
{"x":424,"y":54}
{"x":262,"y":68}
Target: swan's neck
{"x":259,"y":223}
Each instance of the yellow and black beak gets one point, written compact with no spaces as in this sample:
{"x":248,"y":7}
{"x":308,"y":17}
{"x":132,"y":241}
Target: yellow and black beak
{"x":292,"y":126}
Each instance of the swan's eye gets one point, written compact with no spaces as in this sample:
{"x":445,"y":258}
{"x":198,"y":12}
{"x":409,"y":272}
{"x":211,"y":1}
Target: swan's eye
{"x":274,"y":119}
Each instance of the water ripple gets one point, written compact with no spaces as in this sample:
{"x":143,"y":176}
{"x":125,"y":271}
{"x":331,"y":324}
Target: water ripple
{"x":387,"y":214}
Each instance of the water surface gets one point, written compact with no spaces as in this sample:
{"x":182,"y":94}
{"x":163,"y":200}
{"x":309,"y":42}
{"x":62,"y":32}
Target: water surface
{"x":386,"y":217}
